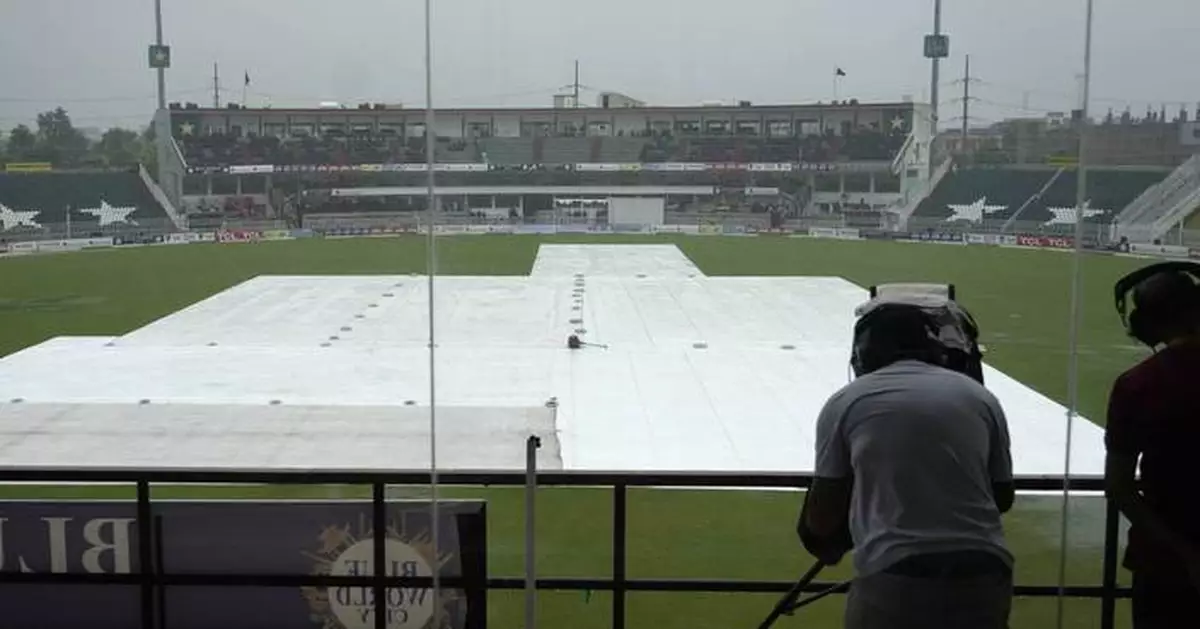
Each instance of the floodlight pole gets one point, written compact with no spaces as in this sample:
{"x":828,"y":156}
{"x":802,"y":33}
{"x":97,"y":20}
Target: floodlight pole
{"x":1076,"y":305}
{"x":933,"y":85}
{"x":158,"y":39}
{"x":162,"y":123}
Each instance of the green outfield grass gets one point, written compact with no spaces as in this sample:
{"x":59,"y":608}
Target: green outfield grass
{"x":1021,"y":299}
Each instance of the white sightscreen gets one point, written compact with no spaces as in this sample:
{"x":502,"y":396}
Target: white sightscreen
{"x":642,"y":211}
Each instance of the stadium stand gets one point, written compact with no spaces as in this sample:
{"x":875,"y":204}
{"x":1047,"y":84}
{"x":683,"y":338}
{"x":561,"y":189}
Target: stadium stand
{"x":1163,"y":205}
{"x":1042,"y":198}
{"x":507,"y":150}
{"x":41,"y":204}
{"x":621,"y":150}
{"x":566,"y":151}
{"x":218,"y":150}
{"x":976,"y":195}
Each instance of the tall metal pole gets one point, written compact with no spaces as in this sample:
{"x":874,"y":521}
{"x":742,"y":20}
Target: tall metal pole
{"x":158,"y":39}
{"x":431,"y":266}
{"x":933,"y":83}
{"x":216,"y":87}
{"x":966,"y":119}
{"x":167,"y":178}
{"x":1076,"y":306}
{"x":576,"y":83}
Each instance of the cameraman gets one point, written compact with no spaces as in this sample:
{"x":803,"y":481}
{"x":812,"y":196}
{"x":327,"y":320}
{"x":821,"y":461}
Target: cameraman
{"x":1154,"y":415}
{"x":913,"y":459}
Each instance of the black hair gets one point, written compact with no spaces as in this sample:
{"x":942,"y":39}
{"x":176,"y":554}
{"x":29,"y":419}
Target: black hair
{"x":1166,"y":304}
{"x":893,"y":333}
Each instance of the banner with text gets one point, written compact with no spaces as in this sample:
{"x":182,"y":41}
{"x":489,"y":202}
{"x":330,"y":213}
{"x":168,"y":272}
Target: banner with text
{"x":1045,"y":242}
{"x":245,"y":538}
{"x":991,"y":239}
{"x":841,"y":233}
{"x":238,"y":235}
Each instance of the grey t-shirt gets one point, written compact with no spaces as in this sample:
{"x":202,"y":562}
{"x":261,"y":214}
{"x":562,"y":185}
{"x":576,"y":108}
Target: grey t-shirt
{"x":924,"y":445}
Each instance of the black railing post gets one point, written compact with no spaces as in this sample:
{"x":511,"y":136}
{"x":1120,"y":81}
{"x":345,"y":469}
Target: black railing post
{"x":1112,"y":540}
{"x":618,"y":566}
{"x":379,"y":553}
{"x":145,"y":529}
{"x":160,"y":563}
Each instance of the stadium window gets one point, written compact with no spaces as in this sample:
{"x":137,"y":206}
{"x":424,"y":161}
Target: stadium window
{"x":748,"y":127}
{"x":716,"y":127}
{"x":779,"y":128}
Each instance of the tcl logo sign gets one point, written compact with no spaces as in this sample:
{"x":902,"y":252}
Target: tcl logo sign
{"x":1054,"y":242}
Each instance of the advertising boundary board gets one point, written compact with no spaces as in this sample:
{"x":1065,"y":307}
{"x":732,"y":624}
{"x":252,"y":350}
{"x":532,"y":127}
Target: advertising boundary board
{"x":1166,"y":251}
{"x":61,"y":245}
{"x":182,"y":238}
{"x":1045,"y":242}
{"x":238,"y":235}
{"x":284,"y":538}
{"x":1002,"y":240}
{"x":839,"y":233}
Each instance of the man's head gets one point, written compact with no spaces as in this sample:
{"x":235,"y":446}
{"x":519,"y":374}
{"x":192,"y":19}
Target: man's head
{"x":1166,"y":308}
{"x":891,"y":333}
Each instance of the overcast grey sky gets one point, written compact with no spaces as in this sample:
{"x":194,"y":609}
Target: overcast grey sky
{"x":90,"y":55}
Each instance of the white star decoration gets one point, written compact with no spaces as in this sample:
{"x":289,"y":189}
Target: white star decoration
{"x":187,"y":128}
{"x":973,"y":212}
{"x":10,"y":218}
{"x":1068,"y":215}
{"x":109,"y":214}
{"x":898,"y":123}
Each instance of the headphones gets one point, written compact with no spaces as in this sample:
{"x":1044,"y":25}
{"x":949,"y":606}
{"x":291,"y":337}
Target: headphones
{"x":1136,"y":322}
{"x":869,"y":354}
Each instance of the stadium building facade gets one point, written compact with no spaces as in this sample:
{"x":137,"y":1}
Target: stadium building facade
{"x":729,"y":157}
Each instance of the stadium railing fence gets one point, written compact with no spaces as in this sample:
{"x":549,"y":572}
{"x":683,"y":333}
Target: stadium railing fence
{"x":152,"y":579}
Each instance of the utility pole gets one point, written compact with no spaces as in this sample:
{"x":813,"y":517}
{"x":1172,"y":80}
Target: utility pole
{"x":966,"y":104}
{"x":216,"y":88}
{"x":576,"y":85}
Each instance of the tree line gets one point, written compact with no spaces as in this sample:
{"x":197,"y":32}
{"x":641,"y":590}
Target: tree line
{"x":56,"y":140}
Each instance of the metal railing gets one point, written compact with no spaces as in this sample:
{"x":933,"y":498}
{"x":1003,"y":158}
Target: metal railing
{"x":153,"y":580}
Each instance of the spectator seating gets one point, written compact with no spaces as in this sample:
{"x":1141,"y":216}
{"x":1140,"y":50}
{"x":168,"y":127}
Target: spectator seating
{"x":621,"y":150}
{"x":1108,"y":192}
{"x":566,"y":151}
{"x":1043,"y":197}
{"x":214,"y":151}
{"x":507,"y":150}
{"x":96,"y":202}
{"x":975,"y":195}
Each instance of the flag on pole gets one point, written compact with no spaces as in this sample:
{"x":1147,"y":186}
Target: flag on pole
{"x":247,"y":78}
{"x":839,"y":72}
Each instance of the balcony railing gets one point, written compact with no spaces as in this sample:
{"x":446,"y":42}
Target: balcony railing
{"x":153,"y":580}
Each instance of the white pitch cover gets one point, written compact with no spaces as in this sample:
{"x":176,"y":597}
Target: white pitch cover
{"x":681,"y":371}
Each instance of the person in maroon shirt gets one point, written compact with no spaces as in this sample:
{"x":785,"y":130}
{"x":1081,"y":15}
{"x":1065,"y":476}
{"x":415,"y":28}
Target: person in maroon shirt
{"x":1154,"y":419}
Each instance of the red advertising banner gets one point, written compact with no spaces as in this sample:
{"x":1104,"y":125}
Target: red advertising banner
{"x":238,"y":235}
{"x":1046,"y":242}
